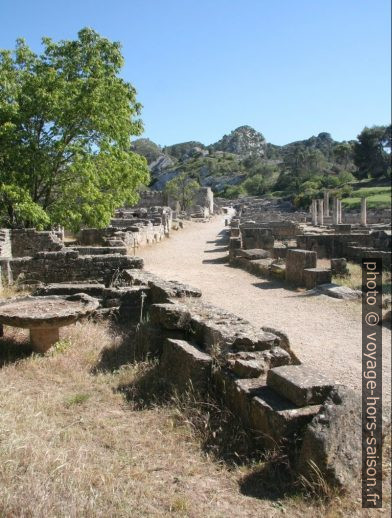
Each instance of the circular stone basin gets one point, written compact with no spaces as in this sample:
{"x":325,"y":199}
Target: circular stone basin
{"x":45,"y":315}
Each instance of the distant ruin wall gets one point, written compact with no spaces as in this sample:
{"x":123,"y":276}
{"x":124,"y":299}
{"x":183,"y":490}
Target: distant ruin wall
{"x":138,"y":236}
{"x":28,"y":242}
{"x":152,"y":199}
{"x":68,"y":266}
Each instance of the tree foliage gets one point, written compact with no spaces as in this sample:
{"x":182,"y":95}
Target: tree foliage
{"x":372,"y":152}
{"x":183,"y":189}
{"x":66,"y":118}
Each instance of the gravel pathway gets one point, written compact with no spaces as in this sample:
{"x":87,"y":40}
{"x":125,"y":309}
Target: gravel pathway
{"x":324,"y":332}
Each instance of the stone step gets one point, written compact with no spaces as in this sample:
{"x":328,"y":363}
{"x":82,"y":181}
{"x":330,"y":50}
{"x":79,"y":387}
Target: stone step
{"x":277,"y":418}
{"x":300,"y":384}
{"x":262,"y":409}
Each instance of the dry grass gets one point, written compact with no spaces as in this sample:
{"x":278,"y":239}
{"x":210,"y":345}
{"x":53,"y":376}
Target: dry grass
{"x":71,"y":445}
{"x":13,"y":290}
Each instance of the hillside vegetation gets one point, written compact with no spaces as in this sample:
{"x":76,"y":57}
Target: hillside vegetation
{"x":244,"y":163}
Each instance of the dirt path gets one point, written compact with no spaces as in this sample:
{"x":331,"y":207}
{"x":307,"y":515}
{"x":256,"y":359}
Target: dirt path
{"x":324,"y":332}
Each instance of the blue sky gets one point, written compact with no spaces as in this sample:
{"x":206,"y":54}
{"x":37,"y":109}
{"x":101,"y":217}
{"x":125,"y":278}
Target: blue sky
{"x":289,"y":68}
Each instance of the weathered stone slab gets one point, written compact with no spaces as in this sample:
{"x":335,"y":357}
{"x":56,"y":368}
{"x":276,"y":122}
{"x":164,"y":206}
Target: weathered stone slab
{"x":300,"y":384}
{"x":253,"y":253}
{"x":185,"y":365}
{"x":161,"y":291}
{"x":212,"y":326}
{"x":94,"y":290}
{"x":339,"y":292}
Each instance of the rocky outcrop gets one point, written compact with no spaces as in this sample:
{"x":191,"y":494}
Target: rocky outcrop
{"x":242,"y":141}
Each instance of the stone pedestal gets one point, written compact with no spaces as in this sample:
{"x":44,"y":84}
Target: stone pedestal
{"x":363,"y":211}
{"x":42,"y":338}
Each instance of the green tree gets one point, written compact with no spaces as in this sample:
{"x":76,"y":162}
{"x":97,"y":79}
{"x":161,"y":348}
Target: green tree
{"x":183,"y":189}
{"x":343,"y":153}
{"x":66,"y":119}
{"x":372,"y":152}
{"x":255,"y":185}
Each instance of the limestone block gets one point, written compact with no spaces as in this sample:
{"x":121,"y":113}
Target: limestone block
{"x":253,"y":364}
{"x":299,"y":384}
{"x":332,"y":441}
{"x":297,"y":260}
{"x":278,"y":419}
{"x":253,"y":253}
{"x":314,"y":276}
{"x":185,"y":365}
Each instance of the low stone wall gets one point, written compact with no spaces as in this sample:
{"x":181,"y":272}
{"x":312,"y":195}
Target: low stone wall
{"x":66,"y":266}
{"x":332,"y":245}
{"x":135,"y":236}
{"x":257,"y":375}
{"x":28,"y":242}
{"x":353,"y":246}
{"x":256,"y":237}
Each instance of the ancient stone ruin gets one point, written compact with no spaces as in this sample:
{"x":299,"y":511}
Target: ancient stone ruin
{"x":272,"y":240}
{"x":283,"y":402}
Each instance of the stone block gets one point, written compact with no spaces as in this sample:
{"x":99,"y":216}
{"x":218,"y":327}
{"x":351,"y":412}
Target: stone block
{"x":315,"y":276}
{"x":253,"y":364}
{"x":332,"y":441}
{"x":299,"y":384}
{"x":185,"y":365}
{"x":277,"y":419}
{"x":211,"y":326}
{"x":296,"y":262}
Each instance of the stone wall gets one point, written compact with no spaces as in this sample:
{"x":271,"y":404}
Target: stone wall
{"x":340,"y":245}
{"x":68,"y":265}
{"x":28,"y":242}
{"x":256,"y":374}
{"x":152,"y":199}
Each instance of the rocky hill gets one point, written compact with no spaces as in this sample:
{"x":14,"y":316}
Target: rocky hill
{"x":236,"y":157}
{"x":243,"y":141}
